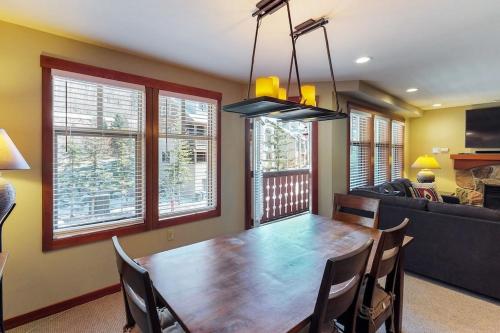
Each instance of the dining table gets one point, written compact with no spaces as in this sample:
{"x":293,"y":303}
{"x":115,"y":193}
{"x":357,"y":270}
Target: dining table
{"x":262,"y":280}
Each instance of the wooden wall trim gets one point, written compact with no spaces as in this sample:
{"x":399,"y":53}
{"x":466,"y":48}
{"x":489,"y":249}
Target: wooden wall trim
{"x":110,"y":74}
{"x":59,"y":307}
{"x":315,"y":168}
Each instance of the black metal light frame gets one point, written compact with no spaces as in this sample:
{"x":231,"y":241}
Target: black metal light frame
{"x":274,"y":107}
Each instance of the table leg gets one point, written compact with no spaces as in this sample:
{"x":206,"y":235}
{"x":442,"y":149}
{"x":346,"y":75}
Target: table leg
{"x":399,"y":289}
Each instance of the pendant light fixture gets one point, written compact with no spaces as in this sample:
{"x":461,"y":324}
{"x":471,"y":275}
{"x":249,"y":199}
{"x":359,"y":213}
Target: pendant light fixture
{"x":271,"y":99}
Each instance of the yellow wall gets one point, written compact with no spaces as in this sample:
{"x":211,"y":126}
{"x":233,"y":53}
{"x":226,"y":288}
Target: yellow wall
{"x":439,"y":128}
{"x":34,"y":279}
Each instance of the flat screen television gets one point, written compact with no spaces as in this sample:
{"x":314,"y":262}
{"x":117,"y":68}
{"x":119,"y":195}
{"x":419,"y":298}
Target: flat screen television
{"x":482,"y":128}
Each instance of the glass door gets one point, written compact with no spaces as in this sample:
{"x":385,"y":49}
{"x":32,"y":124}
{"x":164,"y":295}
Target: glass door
{"x":281,"y":169}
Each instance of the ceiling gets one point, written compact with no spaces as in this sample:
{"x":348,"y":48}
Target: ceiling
{"x":448,"y":48}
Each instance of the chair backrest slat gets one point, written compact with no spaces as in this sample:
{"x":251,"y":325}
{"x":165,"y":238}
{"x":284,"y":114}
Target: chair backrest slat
{"x":356,"y":209}
{"x":386,"y":258}
{"x":138,"y":291}
{"x":339,"y":290}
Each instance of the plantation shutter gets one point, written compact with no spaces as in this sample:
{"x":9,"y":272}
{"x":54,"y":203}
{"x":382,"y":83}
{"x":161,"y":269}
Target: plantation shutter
{"x":98,"y":153}
{"x":382,"y":150}
{"x":360,"y":149}
{"x":187,"y":154}
{"x":397,"y":166}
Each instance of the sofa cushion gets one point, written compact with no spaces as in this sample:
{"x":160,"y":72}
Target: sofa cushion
{"x":392,"y":200}
{"x":464,"y":211}
{"x":385,"y":188}
{"x":403,"y":185}
{"x":419,"y":203}
{"x":427,"y":191}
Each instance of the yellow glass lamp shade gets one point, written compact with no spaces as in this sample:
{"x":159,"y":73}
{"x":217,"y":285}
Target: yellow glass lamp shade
{"x":282,"y":94}
{"x":264,"y":87}
{"x":308,"y":95}
{"x":426,"y":163}
{"x":276,"y":86}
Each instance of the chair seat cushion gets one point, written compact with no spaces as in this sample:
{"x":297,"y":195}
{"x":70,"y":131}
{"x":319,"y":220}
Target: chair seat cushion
{"x":381,"y":301}
{"x":166,"y":318}
{"x":175,"y":328}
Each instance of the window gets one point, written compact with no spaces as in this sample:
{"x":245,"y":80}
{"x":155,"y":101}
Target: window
{"x":382,"y":150}
{"x":360,"y":149}
{"x":397,"y":153}
{"x":188,"y":134}
{"x":376,"y":148}
{"x":98,"y":160}
{"x":104,"y":173}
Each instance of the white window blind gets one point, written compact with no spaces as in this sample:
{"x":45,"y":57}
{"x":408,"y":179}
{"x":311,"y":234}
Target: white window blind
{"x":360,"y":149}
{"x":98,"y":153}
{"x":188,"y":154}
{"x":397,"y":165}
{"x":382,"y":150}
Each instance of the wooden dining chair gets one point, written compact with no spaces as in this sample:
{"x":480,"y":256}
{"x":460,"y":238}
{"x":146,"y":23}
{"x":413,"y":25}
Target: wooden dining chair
{"x":140,"y":303}
{"x":378,"y":300}
{"x":356,"y":209}
{"x":339,"y":291}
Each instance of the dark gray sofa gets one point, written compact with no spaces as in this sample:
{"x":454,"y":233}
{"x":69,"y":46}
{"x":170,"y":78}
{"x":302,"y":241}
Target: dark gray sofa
{"x":455,"y":244}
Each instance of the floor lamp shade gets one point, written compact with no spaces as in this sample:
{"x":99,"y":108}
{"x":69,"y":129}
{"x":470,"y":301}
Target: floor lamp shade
{"x":10,"y":159}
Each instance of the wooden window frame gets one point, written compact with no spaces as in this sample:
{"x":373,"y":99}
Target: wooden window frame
{"x":152,"y":88}
{"x":374,"y":112}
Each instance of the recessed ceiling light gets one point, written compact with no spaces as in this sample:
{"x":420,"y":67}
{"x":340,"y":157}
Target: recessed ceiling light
{"x":363,"y":60}
{"x":410,"y":90}
{"x":436,"y":105}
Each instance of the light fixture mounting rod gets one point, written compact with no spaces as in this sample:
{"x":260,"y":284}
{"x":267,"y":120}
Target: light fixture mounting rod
{"x":268,"y":7}
{"x":307,"y":27}
{"x":253,"y":56}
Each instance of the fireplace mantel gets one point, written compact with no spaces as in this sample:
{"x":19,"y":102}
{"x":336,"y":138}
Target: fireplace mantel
{"x":469,"y":161}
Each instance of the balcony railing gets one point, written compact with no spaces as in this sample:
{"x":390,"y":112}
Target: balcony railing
{"x":285,"y":193}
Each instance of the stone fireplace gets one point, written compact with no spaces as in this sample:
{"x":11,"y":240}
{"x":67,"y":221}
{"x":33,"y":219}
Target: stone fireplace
{"x":491,"y":194}
{"x":478,"y":179}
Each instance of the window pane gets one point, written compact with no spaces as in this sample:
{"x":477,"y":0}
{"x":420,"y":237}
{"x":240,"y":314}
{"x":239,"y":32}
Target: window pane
{"x":360,"y":150}
{"x":98,"y":154}
{"x":284,"y":145}
{"x":397,"y":166}
{"x":382,"y":150}
{"x":187,"y":149}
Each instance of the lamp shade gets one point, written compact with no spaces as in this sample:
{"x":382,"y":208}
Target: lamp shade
{"x":10,"y":157}
{"x":426,"y":162}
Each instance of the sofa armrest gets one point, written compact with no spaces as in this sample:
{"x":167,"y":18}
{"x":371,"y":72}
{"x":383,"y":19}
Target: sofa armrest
{"x":450,"y":199}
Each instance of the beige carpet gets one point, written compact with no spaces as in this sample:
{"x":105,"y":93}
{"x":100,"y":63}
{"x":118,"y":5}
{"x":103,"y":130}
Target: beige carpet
{"x":428,"y":308}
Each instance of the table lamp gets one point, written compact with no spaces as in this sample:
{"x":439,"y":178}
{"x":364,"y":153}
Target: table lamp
{"x":10,"y":159}
{"x":426,"y":163}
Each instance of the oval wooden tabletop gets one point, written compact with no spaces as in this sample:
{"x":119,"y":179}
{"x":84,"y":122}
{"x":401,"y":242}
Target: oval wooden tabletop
{"x":261,"y":280}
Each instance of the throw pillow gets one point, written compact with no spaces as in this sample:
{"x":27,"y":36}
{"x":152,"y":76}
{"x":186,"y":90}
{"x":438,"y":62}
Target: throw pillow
{"x":427,"y":191}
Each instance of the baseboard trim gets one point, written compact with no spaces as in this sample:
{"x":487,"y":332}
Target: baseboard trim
{"x":59,"y":307}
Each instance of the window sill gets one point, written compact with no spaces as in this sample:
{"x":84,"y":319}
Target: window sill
{"x":106,"y":234}
{"x":91,"y":237}
{"x":183,"y":219}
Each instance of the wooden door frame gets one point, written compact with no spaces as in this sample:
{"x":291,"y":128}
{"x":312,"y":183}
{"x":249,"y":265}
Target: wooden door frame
{"x":248,"y":172}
